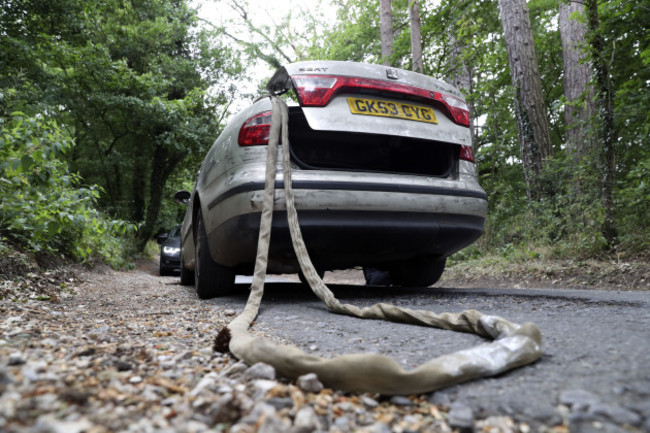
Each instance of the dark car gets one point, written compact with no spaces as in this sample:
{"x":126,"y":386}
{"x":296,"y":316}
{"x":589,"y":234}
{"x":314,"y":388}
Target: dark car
{"x":170,"y":251}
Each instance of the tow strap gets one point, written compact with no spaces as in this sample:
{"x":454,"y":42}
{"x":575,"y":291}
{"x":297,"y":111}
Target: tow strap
{"x":512,"y":345}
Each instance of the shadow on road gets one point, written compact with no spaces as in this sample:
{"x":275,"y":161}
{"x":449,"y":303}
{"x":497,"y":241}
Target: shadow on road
{"x":295,"y":291}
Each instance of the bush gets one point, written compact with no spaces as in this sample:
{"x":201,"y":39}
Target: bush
{"x":633,"y":203}
{"x":566,"y":222}
{"x":43,"y":208}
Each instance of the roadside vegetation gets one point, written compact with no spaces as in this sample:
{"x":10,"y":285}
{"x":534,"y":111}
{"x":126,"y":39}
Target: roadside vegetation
{"x":46,"y":210}
{"x":108,"y":107}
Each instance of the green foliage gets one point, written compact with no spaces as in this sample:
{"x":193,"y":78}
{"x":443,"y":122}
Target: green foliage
{"x":151,"y":250}
{"x":171,"y":212}
{"x":466,"y":36}
{"x":42,"y":206}
{"x":355,"y":35}
{"x":633,"y":204}
{"x":136,"y":83}
{"x":565,"y":222}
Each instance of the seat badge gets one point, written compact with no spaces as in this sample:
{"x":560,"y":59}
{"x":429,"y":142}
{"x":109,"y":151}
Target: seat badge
{"x":391,"y":73}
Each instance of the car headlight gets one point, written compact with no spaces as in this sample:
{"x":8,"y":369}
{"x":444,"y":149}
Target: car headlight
{"x":171,"y":250}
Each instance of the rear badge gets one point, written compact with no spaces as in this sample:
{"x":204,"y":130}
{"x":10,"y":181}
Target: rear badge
{"x":391,"y":73}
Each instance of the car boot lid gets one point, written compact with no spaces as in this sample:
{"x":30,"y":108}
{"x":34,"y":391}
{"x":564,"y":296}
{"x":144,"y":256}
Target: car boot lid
{"x":281,"y":80}
{"x":326,"y":110}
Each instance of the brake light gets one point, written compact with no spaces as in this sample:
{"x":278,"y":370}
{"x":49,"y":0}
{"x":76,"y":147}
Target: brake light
{"x":255,"y":131}
{"x":318,"y":90}
{"x":314,"y":90}
{"x":467,"y":154}
{"x":458,"y":108}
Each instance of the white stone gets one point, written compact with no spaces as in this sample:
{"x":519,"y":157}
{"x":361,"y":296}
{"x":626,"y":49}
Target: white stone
{"x":310,"y":383}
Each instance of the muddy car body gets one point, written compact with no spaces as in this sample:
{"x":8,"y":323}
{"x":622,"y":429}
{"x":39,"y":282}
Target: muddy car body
{"x":382,"y":168}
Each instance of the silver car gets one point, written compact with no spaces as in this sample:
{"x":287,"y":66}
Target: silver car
{"x":383,"y":172}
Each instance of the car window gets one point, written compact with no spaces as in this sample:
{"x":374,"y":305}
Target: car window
{"x":175,"y":233}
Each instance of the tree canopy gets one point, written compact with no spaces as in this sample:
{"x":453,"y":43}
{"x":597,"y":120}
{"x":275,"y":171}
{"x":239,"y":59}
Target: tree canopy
{"x":129,"y":80}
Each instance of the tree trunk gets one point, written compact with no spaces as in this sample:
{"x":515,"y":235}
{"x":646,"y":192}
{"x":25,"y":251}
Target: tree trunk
{"x":416,"y":36}
{"x":578,"y":90}
{"x":386,"y":27}
{"x":162,"y":166}
{"x":459,"y":74}
{"x":607,"y":131}
{"x":532,"y":122}
{"x":138,"y":185}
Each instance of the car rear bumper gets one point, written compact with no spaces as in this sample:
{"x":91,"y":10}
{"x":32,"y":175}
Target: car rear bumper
{"x":347,"y":219}
{"x":343,"y":239}
{"x":348,"y":224}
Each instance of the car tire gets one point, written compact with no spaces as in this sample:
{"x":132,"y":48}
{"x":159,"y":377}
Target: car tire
{"x":210,"y":279}
{"x":421,"y":271}
{"x":163,"y":272}
{"x":187,"y":276}
{"x":377,"y":277}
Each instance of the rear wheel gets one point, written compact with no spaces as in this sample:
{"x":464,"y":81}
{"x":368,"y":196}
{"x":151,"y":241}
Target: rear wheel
{"x":377,"y":277}
{"x":187,"y":276}
{"x":421,"y":271}
{"x":210,"y":279}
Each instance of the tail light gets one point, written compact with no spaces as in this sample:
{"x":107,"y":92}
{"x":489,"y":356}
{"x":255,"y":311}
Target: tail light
{"x":255,"y":131}
{"x":313,"y":90}
{"x":458,"y":108}
{"x":318,"y":90}
{"x":467,"y":154}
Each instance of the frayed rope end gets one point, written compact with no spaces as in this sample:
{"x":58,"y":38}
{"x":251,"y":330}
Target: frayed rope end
{"x":222,"y":341}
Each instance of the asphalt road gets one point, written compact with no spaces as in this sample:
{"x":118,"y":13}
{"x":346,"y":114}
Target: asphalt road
{"x":596,"y":362}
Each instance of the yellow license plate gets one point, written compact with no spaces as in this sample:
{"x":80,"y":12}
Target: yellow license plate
{"x":398,"y":110}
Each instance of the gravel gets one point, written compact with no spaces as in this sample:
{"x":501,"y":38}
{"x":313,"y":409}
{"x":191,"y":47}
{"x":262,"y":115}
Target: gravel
{"x":132,"y":352}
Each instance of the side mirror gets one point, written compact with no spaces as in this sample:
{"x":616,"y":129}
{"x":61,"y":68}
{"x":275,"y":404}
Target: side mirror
{"x":162,"y":238}
{"x":182,"y":197}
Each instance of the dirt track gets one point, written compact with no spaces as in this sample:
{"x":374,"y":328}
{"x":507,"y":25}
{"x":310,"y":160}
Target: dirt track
{"x":131,"y":351}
